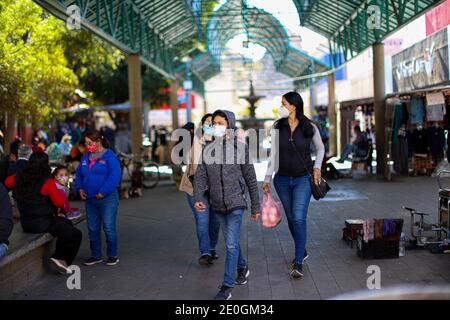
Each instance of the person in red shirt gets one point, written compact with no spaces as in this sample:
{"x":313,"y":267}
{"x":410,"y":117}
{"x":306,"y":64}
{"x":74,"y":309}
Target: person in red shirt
{"x":39,"y":200}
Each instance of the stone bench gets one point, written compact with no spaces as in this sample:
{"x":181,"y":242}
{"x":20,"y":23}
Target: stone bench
{"x":26,"y":261}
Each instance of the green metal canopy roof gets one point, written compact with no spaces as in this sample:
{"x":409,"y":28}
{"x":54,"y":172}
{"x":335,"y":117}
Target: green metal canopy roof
{"x":348,"y":23}
{"x":163,"y":31}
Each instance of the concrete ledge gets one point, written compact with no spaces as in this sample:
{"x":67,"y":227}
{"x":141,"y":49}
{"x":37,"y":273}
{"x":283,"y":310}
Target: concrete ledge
{"x":26,"y":261}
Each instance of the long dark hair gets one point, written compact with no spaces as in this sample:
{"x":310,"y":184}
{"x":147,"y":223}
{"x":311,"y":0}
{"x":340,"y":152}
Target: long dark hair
{"x":29,"y":181}
{"x":206,"y":116}
{"x":96,"y":135}
{"x":305,"y":124}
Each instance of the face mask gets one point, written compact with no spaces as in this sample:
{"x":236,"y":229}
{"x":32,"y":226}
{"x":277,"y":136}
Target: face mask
{"x":92,"y":148}
{"x":63,"y":180}
{"x":283,"y":112}
{"x":219,"y":130}
{"x":208,"y":130}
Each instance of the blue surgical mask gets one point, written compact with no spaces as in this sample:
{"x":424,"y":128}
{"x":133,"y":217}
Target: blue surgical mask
{"x":208,"y":130}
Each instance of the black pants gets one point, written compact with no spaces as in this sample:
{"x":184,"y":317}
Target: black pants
{"x":68,"y":239}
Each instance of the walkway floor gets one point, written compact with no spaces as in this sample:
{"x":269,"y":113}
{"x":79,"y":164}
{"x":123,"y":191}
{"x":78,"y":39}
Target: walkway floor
{"x":159,"y":256}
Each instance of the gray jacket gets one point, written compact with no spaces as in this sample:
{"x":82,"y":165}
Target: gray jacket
{"x":227,"y":181}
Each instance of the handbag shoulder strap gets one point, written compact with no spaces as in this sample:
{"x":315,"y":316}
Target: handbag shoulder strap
{"x":291,"y":140}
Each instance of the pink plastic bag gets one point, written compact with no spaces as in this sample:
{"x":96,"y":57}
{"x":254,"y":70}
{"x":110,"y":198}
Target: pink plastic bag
{"x":270,"y":211}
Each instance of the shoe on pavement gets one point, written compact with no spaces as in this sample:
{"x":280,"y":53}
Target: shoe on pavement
{"x":112,"y":261}
{"x":242,"y":275}
{"x":297,"y":271}
{"x":91,"y":261}
{"x":224,"y":293}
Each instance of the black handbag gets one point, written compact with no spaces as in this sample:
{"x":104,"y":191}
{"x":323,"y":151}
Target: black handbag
{"x":319,"y":191}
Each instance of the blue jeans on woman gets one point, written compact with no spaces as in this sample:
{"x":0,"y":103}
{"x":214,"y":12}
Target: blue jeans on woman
{"x":295,"y":195}
{"x":207,"y":225}
{"x":231,"y":225}
{"x":102,"y":212}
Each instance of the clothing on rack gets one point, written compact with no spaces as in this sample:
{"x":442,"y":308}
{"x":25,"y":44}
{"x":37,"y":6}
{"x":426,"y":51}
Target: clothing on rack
{"x":436,"y":140}
{"x":368,"y":229}
{"x":378,"y":229}
{"x":436,"y":112}
{"x":417,"y":110}
{"x":389,"y":227}
{"x":401,"y":154}
{"x":398,"y":119}
{"x":420,"y":141}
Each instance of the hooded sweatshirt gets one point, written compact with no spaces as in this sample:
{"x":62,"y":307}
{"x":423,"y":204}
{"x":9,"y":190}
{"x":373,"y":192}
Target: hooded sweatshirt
{"x":229,"y":179}
{"x":102,"y":176}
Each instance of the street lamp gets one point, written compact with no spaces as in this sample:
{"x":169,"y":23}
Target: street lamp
{"x":187,"y":86}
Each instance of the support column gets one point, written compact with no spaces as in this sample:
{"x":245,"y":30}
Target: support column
{"x":174,"y":103}
{"x":135,"y":94}
{"x":379,"y":105}
{"x":332,"y":119}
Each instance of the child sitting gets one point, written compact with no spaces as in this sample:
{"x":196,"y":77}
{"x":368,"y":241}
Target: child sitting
{"x":61,"y":174}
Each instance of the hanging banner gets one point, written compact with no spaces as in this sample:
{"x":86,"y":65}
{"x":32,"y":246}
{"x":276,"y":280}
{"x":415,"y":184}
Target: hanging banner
{"x":422,"y":65}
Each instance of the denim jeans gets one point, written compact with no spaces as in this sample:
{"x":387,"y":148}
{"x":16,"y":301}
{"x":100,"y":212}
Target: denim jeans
{"x":100,"y":213}
{"x":295,"y":195}
{"x":207,"y":225}
{"x":231,"y":225}
{"x":3,"y":250}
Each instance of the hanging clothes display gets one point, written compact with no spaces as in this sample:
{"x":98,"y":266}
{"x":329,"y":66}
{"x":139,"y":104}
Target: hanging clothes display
{"x":435,"y":106}
{"x":400,"y":153}
{"x":420,"y":141}
{"x":398,"y":119}
{"x":436,"y":141}
{"x":417,"y":110}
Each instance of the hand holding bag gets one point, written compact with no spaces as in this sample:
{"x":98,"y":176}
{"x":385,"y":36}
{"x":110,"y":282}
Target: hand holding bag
{"x":270,"y":211}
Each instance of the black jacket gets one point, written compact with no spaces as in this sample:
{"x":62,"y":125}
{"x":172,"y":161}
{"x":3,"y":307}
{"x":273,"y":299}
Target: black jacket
{"x":6,"y":215}
{"x":17,"y":167}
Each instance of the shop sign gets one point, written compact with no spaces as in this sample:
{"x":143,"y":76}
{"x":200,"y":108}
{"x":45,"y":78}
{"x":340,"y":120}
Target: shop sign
{"x":422,"y":65}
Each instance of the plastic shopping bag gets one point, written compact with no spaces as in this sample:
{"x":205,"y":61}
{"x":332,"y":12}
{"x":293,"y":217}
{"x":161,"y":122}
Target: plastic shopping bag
{"x":270,"y":211}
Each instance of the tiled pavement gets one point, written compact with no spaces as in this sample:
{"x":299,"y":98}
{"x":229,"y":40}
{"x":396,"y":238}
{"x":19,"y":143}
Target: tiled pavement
{"x":158,"y":250}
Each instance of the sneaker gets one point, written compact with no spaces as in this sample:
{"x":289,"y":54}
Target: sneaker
{"x":91,"y":261}
{"x":224,"y":293}
{"x":73,"y":214}
{"x":305,"y":257}
{"x":61,"y":266}
{"x":205,"y":260}
{"x":214,"y":255}
{"x":112,"y":261}
{"x":242,"y":276}
{"x":297,"y":271}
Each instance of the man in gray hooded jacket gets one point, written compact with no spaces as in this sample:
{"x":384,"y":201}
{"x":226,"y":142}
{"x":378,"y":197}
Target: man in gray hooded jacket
{"x":226,"y":172}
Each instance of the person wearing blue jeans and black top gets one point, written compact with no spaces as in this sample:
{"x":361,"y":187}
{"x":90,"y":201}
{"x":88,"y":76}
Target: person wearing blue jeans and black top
{"x":226,"y":171}
{"x":292,"y":151}
{"x":206,"y":222}
{"x":97,"y":179}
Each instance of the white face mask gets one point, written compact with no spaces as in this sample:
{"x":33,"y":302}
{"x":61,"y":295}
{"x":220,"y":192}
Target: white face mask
{"x":63,"y":180}
{"x":283,"y":112}
{"x":219,"y":130}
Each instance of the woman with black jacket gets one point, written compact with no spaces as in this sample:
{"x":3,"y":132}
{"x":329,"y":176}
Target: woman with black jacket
{"x":39,"y":200}
{"x":292,"y":152}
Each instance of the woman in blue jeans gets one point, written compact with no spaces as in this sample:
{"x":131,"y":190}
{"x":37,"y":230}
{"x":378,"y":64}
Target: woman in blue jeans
{"x":206,"y":222}
{"x":291,"y":151}
{"x":97,"y":178}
